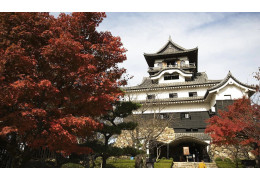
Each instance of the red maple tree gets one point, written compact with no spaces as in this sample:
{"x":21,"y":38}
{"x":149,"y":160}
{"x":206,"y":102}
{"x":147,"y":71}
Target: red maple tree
{"x":239,"y":125}
{"x":56,"y":76}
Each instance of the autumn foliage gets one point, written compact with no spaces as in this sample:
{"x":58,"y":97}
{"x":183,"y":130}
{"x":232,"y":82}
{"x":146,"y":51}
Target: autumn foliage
{"x":56,"y":76}
{"x":239,"y":125}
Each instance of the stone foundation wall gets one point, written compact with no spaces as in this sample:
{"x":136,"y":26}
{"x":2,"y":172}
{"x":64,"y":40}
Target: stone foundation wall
{"x":125,"y":138}
{"x":168,"y":135}
{"x":229,"y":152}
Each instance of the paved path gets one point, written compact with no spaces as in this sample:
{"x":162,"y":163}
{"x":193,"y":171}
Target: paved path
{"x":192,"y":165}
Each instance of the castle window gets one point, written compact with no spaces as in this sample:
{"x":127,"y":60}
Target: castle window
{"x":173,"y":95}
{"x":171,"y":76}
{"x":164,"y":116}
{"x":193,"y":94}
{"x":188,"y":130}
{"x":182,"y":63}
{"x":227,"y":96}
{"x":185,"y":116}
{"x":191,"y":130}
{"x":151,"y":96}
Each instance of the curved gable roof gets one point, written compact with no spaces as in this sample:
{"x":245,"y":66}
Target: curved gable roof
{"x":173,"y":68}
{"x":171,"y":48}
{"x":170,"y":45}
{"x":229,"y":75}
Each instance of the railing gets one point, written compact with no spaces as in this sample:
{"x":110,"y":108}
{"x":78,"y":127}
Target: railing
{"x":190,"y":65}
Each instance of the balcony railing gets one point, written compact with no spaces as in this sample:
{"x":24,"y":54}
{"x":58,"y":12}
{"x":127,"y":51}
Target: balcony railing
{"x":184,"y":66}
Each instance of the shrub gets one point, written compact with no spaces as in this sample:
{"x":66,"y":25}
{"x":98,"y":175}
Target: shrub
{"x":218,"y":159}
{"x":38,"y":164}
{"x":164,"y":163}
{"x":121,"y":161}
{"x":237,"y":160}
{"x":228,"y":164}
{"x":223,"y":164}
{"x":120,"y":165}
{"x":228,"y":160}
{"x":72,"y":165}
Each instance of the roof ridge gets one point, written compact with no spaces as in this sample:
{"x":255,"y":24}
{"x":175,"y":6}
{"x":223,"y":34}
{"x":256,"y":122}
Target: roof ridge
{"x":229,"y":75}
{"x":178,"y":52}
{"x":167,"y":44}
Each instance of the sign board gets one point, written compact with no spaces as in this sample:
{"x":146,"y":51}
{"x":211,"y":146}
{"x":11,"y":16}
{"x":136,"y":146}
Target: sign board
{"x":186,"y":151}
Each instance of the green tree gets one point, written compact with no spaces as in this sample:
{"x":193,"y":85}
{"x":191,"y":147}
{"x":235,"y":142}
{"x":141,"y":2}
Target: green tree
{"x":112,"y":126}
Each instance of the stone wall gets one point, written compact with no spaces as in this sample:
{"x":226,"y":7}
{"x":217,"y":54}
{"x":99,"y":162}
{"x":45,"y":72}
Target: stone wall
{"x":229,"y":152}
{"x":125,"y":138}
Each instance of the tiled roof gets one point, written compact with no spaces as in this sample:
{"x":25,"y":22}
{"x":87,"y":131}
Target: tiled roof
{"x":229,"y":75}
{"x":170,"y":48}
{"x":201,"y":136}
{"x":201,"y":79}
{"x":171,"y":52}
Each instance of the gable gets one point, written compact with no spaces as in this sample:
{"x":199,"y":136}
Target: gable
{"x":170,"y":48}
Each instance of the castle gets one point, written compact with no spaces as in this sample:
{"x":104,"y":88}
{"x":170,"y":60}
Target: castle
{"x":187,"y":96}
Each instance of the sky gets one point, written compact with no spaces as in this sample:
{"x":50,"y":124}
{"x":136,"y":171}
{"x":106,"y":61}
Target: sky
{"x":226,"y":41}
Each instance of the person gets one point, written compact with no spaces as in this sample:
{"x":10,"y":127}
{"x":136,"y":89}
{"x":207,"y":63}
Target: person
{"x":202,"y":164}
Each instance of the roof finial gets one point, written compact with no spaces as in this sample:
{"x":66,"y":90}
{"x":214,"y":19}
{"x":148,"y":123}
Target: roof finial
{"x":170,"y":39}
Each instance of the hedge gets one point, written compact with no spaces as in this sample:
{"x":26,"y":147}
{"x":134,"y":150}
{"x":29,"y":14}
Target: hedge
{"x":72,"y":165}
{"x":163,"y":163}
{"x":227,"y":163}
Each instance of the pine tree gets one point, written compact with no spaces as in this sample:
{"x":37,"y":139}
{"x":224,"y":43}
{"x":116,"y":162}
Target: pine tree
{"x":112,"y":126}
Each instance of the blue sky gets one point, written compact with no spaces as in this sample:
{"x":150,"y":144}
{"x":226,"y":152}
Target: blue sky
{"x":226,"y":41}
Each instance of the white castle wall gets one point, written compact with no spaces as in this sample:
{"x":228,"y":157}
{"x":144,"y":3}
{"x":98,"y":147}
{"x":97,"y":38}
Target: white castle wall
{"x":164,"y":94}
{"x":232,"y":90}
{"x":191,"y":107}
{"x":229,"y":88}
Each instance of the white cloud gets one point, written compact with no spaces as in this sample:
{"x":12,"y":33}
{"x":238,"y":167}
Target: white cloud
{"x":226,"y":41}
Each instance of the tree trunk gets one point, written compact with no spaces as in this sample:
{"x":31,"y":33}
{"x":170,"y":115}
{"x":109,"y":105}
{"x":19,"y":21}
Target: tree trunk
{"x":138,"y":161}
{"x":258,"y":158}
{"x":158,"y":153}
{"x":256,"y":148}
{"x":236,"y":156}
{"x":104,"y":162}
{"x":105,"y":157}
{"x":26,"y":156}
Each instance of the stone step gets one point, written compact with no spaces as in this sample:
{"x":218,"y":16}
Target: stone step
{"x":192,"y":165}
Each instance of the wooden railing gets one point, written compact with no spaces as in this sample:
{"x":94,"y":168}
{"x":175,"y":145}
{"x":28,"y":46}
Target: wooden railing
{"x":190,"y":65}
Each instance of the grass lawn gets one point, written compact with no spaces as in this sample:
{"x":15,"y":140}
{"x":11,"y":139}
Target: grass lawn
{"x":122,"y":163}
{"x":117,"y":163}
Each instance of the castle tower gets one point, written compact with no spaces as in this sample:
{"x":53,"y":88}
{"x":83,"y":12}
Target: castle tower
{"x":177,"y":90}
